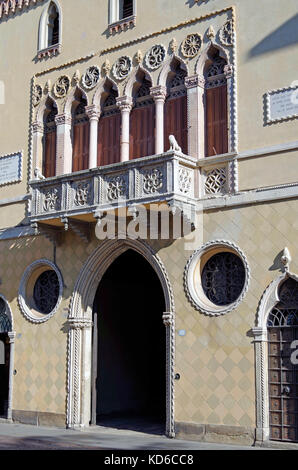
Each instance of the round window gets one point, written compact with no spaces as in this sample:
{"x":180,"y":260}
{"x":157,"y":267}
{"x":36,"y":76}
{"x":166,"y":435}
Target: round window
{"x":216,"y":277}
{"x":223,"y":278}
{"x":40,"y":291}
{"x":46,"y":291}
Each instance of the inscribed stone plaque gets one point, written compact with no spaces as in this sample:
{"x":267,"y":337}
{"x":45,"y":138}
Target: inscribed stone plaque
{"x":283,"y":104}
{"x":11,"y":168}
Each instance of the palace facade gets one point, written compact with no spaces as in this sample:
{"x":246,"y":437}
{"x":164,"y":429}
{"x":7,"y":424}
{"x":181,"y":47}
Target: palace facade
{"x":148,"y":216}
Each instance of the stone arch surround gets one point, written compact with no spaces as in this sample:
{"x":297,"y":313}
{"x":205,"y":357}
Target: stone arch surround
{"x":79,"y":349}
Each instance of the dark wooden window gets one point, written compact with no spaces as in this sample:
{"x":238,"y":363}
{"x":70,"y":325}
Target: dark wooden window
{"x":142,"y":124}
{"x":216,"y":109}
{"x":80,"y":155}
{"x":49,"y":154}
{"x":127,"y":9}
{"x":175,"y":111}
{"x":109,"y":125}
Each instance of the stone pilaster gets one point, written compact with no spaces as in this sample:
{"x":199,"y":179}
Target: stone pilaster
{"x":195,"y":85}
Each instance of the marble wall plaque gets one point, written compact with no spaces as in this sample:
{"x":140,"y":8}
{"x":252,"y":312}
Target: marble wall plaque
{"x":282,"y":104}
{"x":11,"y":168}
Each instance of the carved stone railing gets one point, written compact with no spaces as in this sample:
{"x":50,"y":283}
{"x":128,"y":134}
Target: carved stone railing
{"x":169,"y":177}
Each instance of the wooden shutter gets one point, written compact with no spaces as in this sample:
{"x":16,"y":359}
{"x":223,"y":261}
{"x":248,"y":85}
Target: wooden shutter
{"x":176,"y":121}
{"x":216,"y":121}
{"x":80,"y":158}
{"x":108,"y":142}
{"x":49,"y":161}
{"x":142,"y":136}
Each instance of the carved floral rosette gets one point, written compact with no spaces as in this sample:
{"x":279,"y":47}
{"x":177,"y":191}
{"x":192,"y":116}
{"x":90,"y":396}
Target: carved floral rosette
{"x":116,"y":188}
{"x":91,"y":77}
{"x":62,"y":86}
{"x":191,"y":45}
{"x":82,"y":193}
{"x":152,"y":181}
{"x":36,"y":95}
{"x":226,"y":33}
{"x":155,"y":56}
{"x":51,"y":200}
{"x":122,"y":67}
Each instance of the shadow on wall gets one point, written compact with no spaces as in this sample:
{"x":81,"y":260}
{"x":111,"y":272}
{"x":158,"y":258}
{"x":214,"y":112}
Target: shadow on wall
{"x":284,"y":36}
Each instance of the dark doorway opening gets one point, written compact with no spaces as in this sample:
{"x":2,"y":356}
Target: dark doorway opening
{"x":4,"y":373}
{"x":129,"y":347}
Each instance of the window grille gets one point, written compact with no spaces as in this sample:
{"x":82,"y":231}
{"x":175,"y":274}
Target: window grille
{"x":223,"y":278}
{"x":46,"y":291}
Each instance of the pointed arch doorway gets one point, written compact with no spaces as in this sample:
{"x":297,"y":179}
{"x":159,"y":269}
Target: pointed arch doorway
{"x":129,"y":347}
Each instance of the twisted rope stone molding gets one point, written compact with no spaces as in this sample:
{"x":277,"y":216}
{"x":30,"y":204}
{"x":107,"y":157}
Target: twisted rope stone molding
{"x":198,"y":299}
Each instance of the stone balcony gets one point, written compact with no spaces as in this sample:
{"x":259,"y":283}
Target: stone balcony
{"x":78,"y":199}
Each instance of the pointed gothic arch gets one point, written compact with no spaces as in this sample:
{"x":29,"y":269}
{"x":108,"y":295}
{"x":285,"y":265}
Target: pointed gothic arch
{"x":80,"y":328}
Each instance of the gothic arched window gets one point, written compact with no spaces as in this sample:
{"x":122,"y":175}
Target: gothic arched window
{"x":141,"y":142}
{"x":49,"y":153}
{"x":108,"y":141}
{"x":175,"y":111}
{"x":80,"y":136}
{"x":216,"y":114}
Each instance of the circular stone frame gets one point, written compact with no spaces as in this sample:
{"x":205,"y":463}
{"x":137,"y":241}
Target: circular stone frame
{"x":25,"y":297}
{"x":193,"y":280}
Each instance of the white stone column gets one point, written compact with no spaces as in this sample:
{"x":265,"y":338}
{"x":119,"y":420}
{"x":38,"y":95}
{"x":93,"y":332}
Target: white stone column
{"x":159,"y":94}
{"x":11,"y":335}
{"x":124,"y":103}
{"x":232,"y":124}
{"x":37,"y":130}
{"x":64,"y":144}
{"x":93,"y":113}
{"x":195,"y":85}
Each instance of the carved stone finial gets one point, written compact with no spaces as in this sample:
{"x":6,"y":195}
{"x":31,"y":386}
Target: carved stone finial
{"x":173,"y":45}
{"x":286,"y":259}
{"x":211,"y":33}
{"x":76,"y":77}
{"x":47,"y":87}
{"x":106,"y":67}
{"x":139,"y":57}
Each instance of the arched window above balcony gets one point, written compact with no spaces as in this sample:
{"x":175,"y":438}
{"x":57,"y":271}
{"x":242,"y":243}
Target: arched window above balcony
{"x":142,"y":119}
{"x":108,"y":140}
{"x":175,"y":114}
{"x":49,"y":140}
{"x":80,"y":134}
{"x":216,"y":105}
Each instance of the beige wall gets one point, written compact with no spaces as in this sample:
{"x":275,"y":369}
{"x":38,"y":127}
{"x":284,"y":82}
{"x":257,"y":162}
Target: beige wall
{"x":260,"y":68}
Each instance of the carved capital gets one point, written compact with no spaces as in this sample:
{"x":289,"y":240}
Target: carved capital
{"x":194,"y":81}
{"x":79,"y":323}
{"x":62,"y":119}
{"x":92,"y":112}
{"x":168,"y":318}
{"x":11,"y":335}
{"x":158,"y":93}
{"x":124,"y":103}
{"x":37,"y":126}
{"x":228,"y":70}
